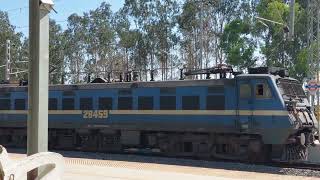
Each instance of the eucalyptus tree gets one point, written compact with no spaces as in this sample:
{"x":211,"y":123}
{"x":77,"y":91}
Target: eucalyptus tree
{"x":156,"y":21}
{"x":75,"y":48}
{"x":188,"y":22}
{"x":165,"y":33}
{"x":201,"y":26}
{"x":57,"y":46}
{"x":100,"y":38}
{"x":127,"y":40}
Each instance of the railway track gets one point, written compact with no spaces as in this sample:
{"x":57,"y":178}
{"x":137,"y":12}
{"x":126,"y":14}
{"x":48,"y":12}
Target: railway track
{"x":307,"y":166}
{"x":101,"y":159}
{"x":198,"y":166}
{"x":279,"y":164}
{"x":274,"y":163}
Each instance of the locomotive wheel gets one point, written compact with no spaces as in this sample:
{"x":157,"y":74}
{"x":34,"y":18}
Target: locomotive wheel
{"x":215,"y":155}
{"x":294,"y":153}
{"x":258,"y":151}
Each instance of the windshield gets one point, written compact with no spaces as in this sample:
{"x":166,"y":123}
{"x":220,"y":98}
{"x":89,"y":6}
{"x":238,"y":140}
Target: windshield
{"x":291,"y":88}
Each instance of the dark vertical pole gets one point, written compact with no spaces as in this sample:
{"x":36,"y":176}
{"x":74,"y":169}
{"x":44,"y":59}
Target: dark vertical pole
{"x":8,"y":61}
{"x":181,"y":74}
{"x":318,"y":62}
{"x":151,"y":74}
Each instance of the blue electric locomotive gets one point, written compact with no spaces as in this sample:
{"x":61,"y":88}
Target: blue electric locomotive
{"x":255,"y":116}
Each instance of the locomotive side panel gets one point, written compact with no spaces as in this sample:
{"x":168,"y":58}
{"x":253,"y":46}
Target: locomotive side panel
{"x":262,"y":109}
{"x":177,"y":109}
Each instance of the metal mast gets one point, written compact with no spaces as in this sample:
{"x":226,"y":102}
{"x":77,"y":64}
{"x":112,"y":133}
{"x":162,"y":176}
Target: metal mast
{"x":8,"y":61}
{"x":313,"y":42}
{"x":201,"y":37}
{"x":292,"y":17}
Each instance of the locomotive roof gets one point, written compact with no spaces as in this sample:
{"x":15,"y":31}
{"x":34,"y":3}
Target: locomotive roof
{"x":257,"y":75}
{"x":127,"y":85}
{"x":139,"y":84}
{"x":266,"y":75}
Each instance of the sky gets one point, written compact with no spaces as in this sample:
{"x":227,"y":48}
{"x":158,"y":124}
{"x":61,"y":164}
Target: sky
{"x":18,"y":10}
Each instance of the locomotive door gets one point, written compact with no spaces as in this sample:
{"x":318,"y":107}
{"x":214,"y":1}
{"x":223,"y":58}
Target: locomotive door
{"x":245,"y":105}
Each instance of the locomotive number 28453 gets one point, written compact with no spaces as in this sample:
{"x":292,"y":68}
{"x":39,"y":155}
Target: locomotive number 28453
{"x":95,"y":114}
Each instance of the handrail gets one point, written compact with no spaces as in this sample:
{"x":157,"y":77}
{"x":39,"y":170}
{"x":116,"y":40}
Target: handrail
{"x":52,"y":166}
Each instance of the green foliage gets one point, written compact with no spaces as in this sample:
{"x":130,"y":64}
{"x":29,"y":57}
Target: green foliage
{"x":57,"y":46}
{"x":188,"y":20}
{"x":155,"y":21}
{"x":163,"y":35}
{"x":237,"y":44}
{"x":276,"y":46}
{"x":300,"y":67}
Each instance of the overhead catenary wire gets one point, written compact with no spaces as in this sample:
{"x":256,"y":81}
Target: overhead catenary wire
{"x":20,"y":9}
{"x":26,"y":7}
{"x":22,"y":27}
{"x":16,"y":9}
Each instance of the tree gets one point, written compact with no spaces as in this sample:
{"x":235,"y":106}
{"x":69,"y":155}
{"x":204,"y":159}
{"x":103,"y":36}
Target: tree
{"x":202,"y":23}
{"x":100,"y":38}
{"x":57,"y":45}
{"x":158,"y":34}
{"x":238,"y":45}
{"x":75,"y":48}
{"x":155,"y":21}
{"x":276,"y":47}
{"x":128,"y":38}
{"x":300,"y":67}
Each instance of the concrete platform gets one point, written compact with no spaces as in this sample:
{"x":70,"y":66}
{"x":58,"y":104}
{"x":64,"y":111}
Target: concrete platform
{"x":84,"y":169}
{"x":81,"y":172}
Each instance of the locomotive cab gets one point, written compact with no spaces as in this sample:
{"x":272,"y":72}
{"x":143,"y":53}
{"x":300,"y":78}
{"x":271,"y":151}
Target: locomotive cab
{"x":256,"y":97}
{"x":276,"y":107}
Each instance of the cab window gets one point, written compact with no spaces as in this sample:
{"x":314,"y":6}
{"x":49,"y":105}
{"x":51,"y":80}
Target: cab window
{"x":245,"y":91}
{"x":263,"y":91}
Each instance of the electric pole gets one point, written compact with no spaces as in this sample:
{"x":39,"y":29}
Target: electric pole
{"x":201,"y":36}
{"x":292,"y":17}
{"x":313,"y":32}
{"x":8,"y":61}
